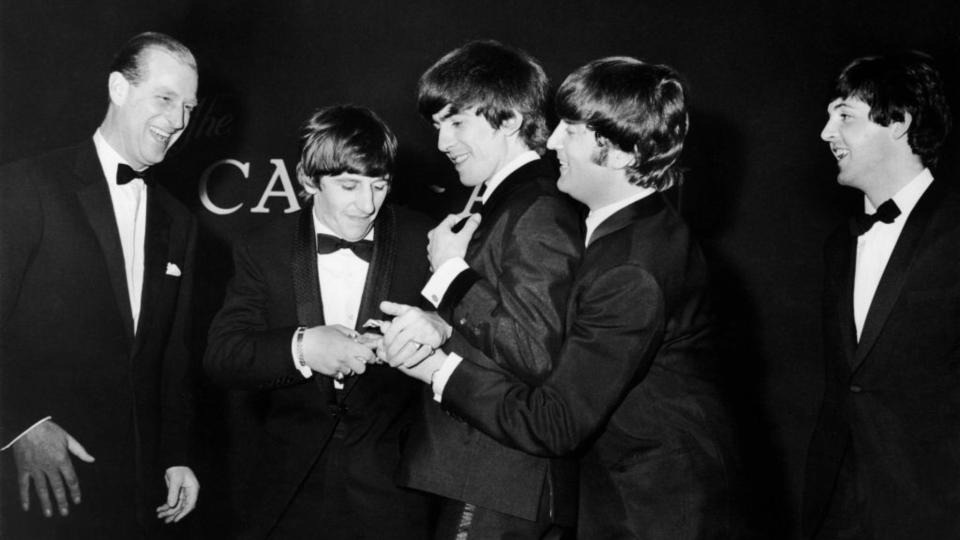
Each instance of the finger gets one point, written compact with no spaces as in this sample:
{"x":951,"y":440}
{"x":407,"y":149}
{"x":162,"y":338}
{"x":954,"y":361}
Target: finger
{"x":448,"y":222}
{"x":40,"y":484}
{"x":355,"y":365}
{"x":394,"y":308}
{"x":410,"y":355}
{"x":78,"y":450}
{"x":471,"y":225}
{"x":349,"y":332}
{"x":24,"y":482}
{"x":59,"y":492}
{"x":73,"y":484}
{"x":417,"y":356}
{"x":189,"y":503}
{"x":173,"y":492}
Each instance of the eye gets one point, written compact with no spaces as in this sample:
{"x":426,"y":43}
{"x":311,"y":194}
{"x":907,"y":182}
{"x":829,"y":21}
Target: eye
{"x":348,"y":186}
{"x":380,"y":187}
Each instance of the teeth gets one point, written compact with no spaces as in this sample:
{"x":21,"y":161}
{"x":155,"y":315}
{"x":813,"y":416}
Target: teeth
{"x":839,"y":153}
{"x":163,"y":136}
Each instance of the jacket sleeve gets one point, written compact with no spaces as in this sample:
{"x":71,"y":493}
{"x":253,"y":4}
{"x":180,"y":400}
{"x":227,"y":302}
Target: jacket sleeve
{"x":22,"y":398}
{"x":619,"y":327}
{"x":243,"y":351}
{"x":519,"y":323}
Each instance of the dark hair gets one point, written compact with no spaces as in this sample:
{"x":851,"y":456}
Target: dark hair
{"x":345,"y":139}
{"x":895,"y":85}
{"x":496,"y":79}
{"x":638,"y":107}
{"x":129,"y":60}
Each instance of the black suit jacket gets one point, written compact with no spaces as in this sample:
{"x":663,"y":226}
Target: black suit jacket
{"x":633,"y":391}
{"x":249,"y":347}
{"x":892,"y":401}
{"x":511,"y":304}
{"x":67,"y":346}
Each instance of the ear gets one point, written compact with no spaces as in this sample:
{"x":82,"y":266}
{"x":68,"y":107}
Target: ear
{"x":617,"y":158}
{"x":118,"y":87}
{"x":511,"y":125}
{"x":900,"y":129}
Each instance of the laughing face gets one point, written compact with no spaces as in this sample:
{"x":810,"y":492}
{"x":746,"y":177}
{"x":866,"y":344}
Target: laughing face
{"x":148,"y":116}
{"x":578,"y":153}
{"x":476,"y":148}
{"x":861,"y":147}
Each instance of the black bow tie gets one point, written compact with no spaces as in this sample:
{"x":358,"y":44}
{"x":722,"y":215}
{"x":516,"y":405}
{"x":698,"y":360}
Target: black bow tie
{"x":327,"y":243}
{"x":887,"y":212}
{"x":125,"y":174}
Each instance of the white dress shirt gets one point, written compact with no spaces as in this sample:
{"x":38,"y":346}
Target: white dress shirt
{"x":875,"y":246}
{"x":342,"y":276}
{"x":130,"y":211}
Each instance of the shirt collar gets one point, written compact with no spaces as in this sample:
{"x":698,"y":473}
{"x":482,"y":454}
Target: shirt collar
{"x":109,"y":158}
{"x":506,"y":171}
{"x":908,"y":195}
{"x":598,"y":216}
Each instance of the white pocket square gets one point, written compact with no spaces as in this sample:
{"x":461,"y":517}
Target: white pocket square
{"x":173,"y":270}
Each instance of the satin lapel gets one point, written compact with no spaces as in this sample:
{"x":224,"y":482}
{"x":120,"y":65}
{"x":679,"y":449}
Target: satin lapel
{"x":303,"y":266}
{"x":643,"y":208}
{"x":891,"y":283}
{"x":95,"y":200}
{"x":379,"y":274}
{"x":156,"y":251}
{"x":534,"y":169}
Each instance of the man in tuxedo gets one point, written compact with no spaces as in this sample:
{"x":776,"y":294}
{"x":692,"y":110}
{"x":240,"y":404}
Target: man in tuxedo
{"x":95,"y":285}
{"x":500,"y":285}
{"x":289,"y":330}
{"x":634,"y":393}
{"x":884,"y":460}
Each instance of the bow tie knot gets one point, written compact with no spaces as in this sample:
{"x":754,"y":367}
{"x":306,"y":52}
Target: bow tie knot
{"x":126,"y":174}
{"x":886,"y":213}
{"x":327,"y":243}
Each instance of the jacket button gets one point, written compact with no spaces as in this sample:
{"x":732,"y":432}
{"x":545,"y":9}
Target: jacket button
{"x":463,"y":322}
{"x":855,"y":389}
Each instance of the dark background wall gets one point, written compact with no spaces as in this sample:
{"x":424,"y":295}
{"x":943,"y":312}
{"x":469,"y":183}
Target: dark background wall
{"x":760,"y":189}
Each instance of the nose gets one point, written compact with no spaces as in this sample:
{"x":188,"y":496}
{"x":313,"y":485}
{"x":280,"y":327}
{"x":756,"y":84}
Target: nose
{"x":444,"y":137}
{"x":553,"y":143}
{"x":364,"y":200}
{"x":829,"y":130}
{"x":178,"y":117}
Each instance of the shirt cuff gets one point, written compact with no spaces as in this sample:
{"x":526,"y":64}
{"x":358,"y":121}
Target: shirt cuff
{"x":295,"y":354}
{"x":17,"y":438}
{"x":443,"y":374}
{"x":441,"y":279}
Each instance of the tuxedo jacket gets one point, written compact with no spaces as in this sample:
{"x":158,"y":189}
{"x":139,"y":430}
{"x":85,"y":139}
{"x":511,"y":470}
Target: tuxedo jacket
{"x":511,"y":304}
{"x":892,"y":401}
{"x":634,"y":391}
{"x":274,"y":290}
{"x":67,"y":342}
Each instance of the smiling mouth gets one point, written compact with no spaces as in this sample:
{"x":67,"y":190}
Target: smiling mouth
{"x":457,"y":159}
{"x":162,"y":136}
{"x":839,"y":153}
